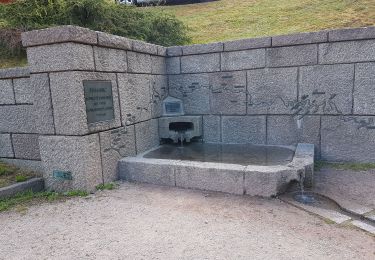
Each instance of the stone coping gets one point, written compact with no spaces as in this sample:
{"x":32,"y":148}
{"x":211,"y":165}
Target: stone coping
{"x":34,"y":184}
{"x":346,"y":34}
{"x":70,"y":33}
{"x":19,"y":72}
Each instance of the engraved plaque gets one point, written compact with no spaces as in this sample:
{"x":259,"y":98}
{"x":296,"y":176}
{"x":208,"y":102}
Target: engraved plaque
{"x":99,"y":101}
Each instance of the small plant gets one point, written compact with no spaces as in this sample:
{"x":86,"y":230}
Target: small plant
{"x":106,"y":186}
{"x":21,"y":178}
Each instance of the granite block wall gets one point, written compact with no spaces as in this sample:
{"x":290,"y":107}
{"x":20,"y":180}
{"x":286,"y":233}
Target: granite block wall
{"x":310,"y":87}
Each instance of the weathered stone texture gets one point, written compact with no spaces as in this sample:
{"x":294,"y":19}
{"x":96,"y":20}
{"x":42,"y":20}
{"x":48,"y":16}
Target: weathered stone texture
{"x":364,"y":90}
{"x":147,"y":135}
{"x":79,"y":155}
{"x":60,"y":57}
{"x":65,"y":33}
{"x":139,"y":46}
{"x":6,"y":92}
{"x":286,"y":130}
{"x":139,"y":62}
{"x":6,"y":149}
{"x":206,"y":176}
{"x":202,"y":48}
{"x":228,"y":93}
{"x":348,"y":138}
{"x":300,"y":38}
{"x":19,"y":72}
{"x":158,"y":65}
{"x":157,"y":172}
{"x":135,"y":98}
{"x":271,"y":90}
{"x":241,"y":60}
{"x":246,"y":44}
{"x":23,"y":90}
{"x":114,"y":145}
{"x":69,"y":102}
{"x":352,"y":34}
{"x":344,"y":52}
{"x":194,"y":90}
{"x":110,"y":59}
{"x":109,"y":40}
{"x":158,"y":92}
{"x":26,"y":146}
{"x":174,"y":51}
{"x":162,"y":51}
{"x":17,"y":119}
{"x":292,"y":56}
{"x":173,"y":65}
{"x":211,"y":129}
{"x":244,"y":129}
{"x":29,"y":165}
{"x":200,"y":63}
{"x":330,"y":86}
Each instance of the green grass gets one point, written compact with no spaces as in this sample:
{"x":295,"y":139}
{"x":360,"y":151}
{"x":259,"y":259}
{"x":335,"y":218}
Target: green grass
{"x":29,"y":197}
{"x":21,"y":178}
{"x":237,"y":19}
{"x":344,"y":166}
{"x":107,"y":186}
{"x":10,"y":174}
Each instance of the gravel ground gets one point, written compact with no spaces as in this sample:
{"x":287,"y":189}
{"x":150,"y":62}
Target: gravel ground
{"x":149,"y":222}
{"x":357,"y":186}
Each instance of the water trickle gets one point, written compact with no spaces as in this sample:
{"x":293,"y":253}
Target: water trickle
{"x":182,"y":139}
{"x":301,"y":196}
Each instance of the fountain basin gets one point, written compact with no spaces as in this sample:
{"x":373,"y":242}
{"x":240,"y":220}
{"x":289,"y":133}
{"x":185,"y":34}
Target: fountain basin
{"x":237,"y":176}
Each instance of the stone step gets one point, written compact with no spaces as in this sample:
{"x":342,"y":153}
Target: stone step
{"x":364,"y":226}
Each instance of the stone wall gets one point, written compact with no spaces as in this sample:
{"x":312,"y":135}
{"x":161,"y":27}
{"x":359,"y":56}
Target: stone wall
{"x":315,"y":87}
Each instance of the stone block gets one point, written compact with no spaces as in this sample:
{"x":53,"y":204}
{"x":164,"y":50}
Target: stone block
{"x":244,"y":129}
{"x":6,"y":92}
{"x":60,"y":57}
{"x":29,"y":165}
{"x":348,"y":138}
{"x":139,"y":62}
{"x":345,"y":52}
{"x":228,"y":93}
{"x":246,"y":44}
{"x":286,"y":130}
{"x":212,"y":129}
{"x":144,"y":47}
{"x":200,"y":63}
{"x":202,"y":48}
{"x":331,"y":87}
{"x":348,"y":34}
{"x":43,"y":120}
{"x":135,"y":97}
{"x":364,"y":89}
{"x":292,"y":56}
{"x":65,"y":33}
{"x":69,"y":102}
{"x":107,"y":59}
{"x":300,"y":38}
{"x":26,"y":146}
{"x":17,"y":119}
{"x":147,"y":135}
{"x":34,"y":184}
{"x":271,"y":90}
{"x":242,"y":60}
{"x":114,"y":145}
{"x":158,"y":65}
{"x":173,"y":65}
{"x":194,"y":90}
{"x":114,"y":41}
{"x":162,"y":51}
{"x":135,"y":169}
{"x":158,"y":91}
{"x":174,"y":51}
{"x":23,"y":91}
{"x":19,"y":72}
{"x":79,"y":155}
{"x":6,"y":149}
{"x":207,"y":176}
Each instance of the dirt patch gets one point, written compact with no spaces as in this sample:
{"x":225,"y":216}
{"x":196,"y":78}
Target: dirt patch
{"x":11,"y":174}
{"x":149,"y":222}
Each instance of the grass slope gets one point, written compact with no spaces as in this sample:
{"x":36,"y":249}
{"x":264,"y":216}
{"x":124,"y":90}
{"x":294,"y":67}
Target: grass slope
{"x":236,"y":19}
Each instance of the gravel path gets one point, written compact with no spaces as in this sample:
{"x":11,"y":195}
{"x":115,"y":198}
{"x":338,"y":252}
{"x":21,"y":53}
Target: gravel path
{"x":149,"y":222}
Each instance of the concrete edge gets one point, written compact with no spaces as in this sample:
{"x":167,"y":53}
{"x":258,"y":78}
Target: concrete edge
{"x":16,"y":72}
{"x":34,"y":184}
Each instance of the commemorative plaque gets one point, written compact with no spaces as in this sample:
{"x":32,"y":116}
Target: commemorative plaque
{"x":99,"y":101}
